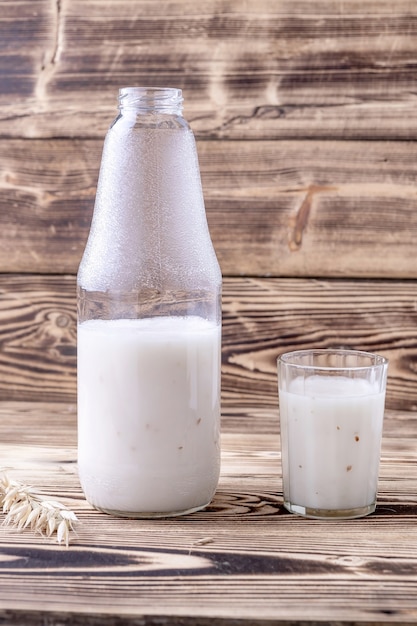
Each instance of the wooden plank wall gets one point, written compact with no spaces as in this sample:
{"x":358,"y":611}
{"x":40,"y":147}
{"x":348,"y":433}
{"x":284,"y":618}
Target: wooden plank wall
{"x":305,"y":113}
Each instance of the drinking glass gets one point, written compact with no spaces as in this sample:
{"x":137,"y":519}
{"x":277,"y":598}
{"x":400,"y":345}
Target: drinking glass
{"x":331,"y":416}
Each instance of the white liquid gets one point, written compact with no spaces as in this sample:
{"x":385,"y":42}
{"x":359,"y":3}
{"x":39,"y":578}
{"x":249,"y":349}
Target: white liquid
{"x":331,"y":429}
{"x":149,"y":414}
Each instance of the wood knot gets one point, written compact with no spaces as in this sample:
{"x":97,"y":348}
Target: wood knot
{"x":62,"y":321}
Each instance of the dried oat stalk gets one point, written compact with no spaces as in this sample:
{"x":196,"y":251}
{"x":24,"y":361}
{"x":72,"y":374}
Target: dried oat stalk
{"x":26,"y":509}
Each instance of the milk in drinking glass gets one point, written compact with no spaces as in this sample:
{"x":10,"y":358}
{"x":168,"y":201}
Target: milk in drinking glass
{"x":331,"y":420}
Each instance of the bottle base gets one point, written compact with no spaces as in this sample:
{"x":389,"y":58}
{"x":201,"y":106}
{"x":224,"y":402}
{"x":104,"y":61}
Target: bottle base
{"x":150,"y":514}
{"x":330,"y":514}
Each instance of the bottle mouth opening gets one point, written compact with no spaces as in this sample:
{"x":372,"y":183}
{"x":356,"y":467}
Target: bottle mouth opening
{"x":161,"y":99}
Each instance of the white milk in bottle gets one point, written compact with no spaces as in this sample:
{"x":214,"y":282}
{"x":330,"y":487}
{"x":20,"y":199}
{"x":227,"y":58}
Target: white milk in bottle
{"x":150,"y":414}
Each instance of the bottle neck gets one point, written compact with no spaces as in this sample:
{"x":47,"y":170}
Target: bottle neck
{"x":148,"y":100}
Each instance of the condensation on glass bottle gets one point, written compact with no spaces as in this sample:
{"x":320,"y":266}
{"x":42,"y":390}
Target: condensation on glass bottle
{"x":149,"y":320}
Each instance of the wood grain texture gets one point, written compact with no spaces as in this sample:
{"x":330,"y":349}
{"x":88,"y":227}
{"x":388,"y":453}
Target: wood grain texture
{"x":243,"y":561}
{"x":265,"y":317}
{"x":47,"y":197}
{"x":280,"y":69}
{"x":38,"y":336}
{"x":261,"y":319}
{"x":287,"y":208}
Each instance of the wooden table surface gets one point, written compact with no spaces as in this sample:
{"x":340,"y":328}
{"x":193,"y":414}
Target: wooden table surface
{"x":244,"y":560}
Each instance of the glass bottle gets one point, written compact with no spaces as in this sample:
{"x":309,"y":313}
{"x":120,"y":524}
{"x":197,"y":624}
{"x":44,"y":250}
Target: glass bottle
{"x":149,"y":320}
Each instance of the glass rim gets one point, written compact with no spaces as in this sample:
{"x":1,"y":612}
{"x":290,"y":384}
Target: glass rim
{"x":376,"y":360}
